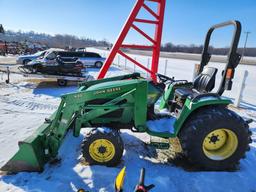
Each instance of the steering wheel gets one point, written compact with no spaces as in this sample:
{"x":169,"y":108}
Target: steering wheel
{"x":164,"y":78}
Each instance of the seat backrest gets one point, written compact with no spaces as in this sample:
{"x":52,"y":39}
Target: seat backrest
{"x":205,"y":81}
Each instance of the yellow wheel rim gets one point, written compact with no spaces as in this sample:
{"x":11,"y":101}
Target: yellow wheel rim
{"x":102,"y":150}
{"x":220,"y":144}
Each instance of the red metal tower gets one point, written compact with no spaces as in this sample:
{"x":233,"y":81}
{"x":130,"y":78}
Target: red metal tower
{"x":131,"y":24}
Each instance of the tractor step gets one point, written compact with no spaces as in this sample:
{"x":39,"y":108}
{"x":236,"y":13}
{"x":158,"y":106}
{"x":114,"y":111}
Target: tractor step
{"x":162,"y":143}
{"x":159,"y":145}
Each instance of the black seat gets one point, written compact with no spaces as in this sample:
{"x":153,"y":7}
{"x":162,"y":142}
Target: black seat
{"x":205,"y":81}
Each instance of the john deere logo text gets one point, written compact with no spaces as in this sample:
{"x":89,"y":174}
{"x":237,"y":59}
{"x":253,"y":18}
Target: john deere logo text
{"x":110,"y":90}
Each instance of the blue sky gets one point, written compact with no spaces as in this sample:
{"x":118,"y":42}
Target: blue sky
{"x":186,"y":21}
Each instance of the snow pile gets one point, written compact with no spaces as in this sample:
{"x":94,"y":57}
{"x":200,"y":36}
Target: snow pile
{"x":162,"y":125}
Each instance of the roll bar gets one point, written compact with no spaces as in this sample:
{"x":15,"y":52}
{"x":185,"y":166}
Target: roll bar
{"x":233,"y":57}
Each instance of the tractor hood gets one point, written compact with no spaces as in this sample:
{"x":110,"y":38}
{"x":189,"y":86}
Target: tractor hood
{"x":113,"y":84}
{"x":122,"y":86}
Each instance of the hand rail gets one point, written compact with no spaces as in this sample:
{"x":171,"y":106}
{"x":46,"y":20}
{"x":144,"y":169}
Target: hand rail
{"x":233,"y":57}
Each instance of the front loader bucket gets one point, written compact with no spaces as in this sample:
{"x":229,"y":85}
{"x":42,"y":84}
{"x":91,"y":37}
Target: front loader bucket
{"x":30,"y":156}
{"x":25,"y":159}
{"x":43,"y":145}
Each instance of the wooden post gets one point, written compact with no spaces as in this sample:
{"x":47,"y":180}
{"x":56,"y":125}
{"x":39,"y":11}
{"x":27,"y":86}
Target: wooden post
{"x":8,"y":75}
{"x":134,"y":65}
{"x":148,"y":66}
{"x":195,"y":71}
{"x":165,"y":67}
{"x":125,"y":63}
{"x":240,"y":90}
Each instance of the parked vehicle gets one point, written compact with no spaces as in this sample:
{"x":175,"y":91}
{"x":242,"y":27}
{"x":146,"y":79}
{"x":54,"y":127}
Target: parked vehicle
{"x":85,"y":58}
{"x":60,"y":66}
{"x":81,"y":49}
{"x":62,"y":80}
{"x":92,"y":59}
{"x":24,"y":59}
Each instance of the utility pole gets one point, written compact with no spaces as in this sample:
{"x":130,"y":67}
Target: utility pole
{"x":245,"y":43}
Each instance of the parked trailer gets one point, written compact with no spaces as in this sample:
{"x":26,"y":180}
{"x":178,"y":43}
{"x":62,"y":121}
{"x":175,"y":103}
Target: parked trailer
{"x":61,"y":80}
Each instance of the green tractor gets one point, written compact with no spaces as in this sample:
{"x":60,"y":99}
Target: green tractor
{"x":211,"y":136}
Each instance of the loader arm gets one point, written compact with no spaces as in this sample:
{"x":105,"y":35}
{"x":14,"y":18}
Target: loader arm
{"x":44,"y":143}
{"x":85,"y":85}
{"x":75,"y":111}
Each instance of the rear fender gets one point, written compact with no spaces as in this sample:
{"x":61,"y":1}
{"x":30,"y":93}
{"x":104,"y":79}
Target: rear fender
{"x":190,"y":107}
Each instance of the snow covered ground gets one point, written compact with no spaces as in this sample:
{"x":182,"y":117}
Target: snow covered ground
{"x":23,"y":106}
{"x":10,"y":59}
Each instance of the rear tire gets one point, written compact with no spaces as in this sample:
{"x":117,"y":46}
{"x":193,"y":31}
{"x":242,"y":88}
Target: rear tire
{"x":215,"y":138}
{"x":103,"y":147}
{"x":62,"y":82}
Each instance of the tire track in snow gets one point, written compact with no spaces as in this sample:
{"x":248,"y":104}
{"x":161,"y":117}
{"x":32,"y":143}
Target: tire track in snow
{"x":32,"y":105}
{"x":29,"y":104}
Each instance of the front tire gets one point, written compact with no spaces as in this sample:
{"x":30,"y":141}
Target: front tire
{"x":215,"y":138}
{"x":98,"y":64}
{"x":33,"y":70}
{"x":26,"y":61}
{"x":103,"y":147}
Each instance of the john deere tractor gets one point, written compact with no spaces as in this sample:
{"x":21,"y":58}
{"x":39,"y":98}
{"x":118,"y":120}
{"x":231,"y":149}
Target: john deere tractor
{"x":211,"y":136}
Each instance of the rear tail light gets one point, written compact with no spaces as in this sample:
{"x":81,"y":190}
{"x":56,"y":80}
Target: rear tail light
{"x":230,"y":74}
{"x":79,"y":66}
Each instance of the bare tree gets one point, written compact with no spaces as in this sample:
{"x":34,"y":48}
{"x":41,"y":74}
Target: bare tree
{"x":1,"y":28}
